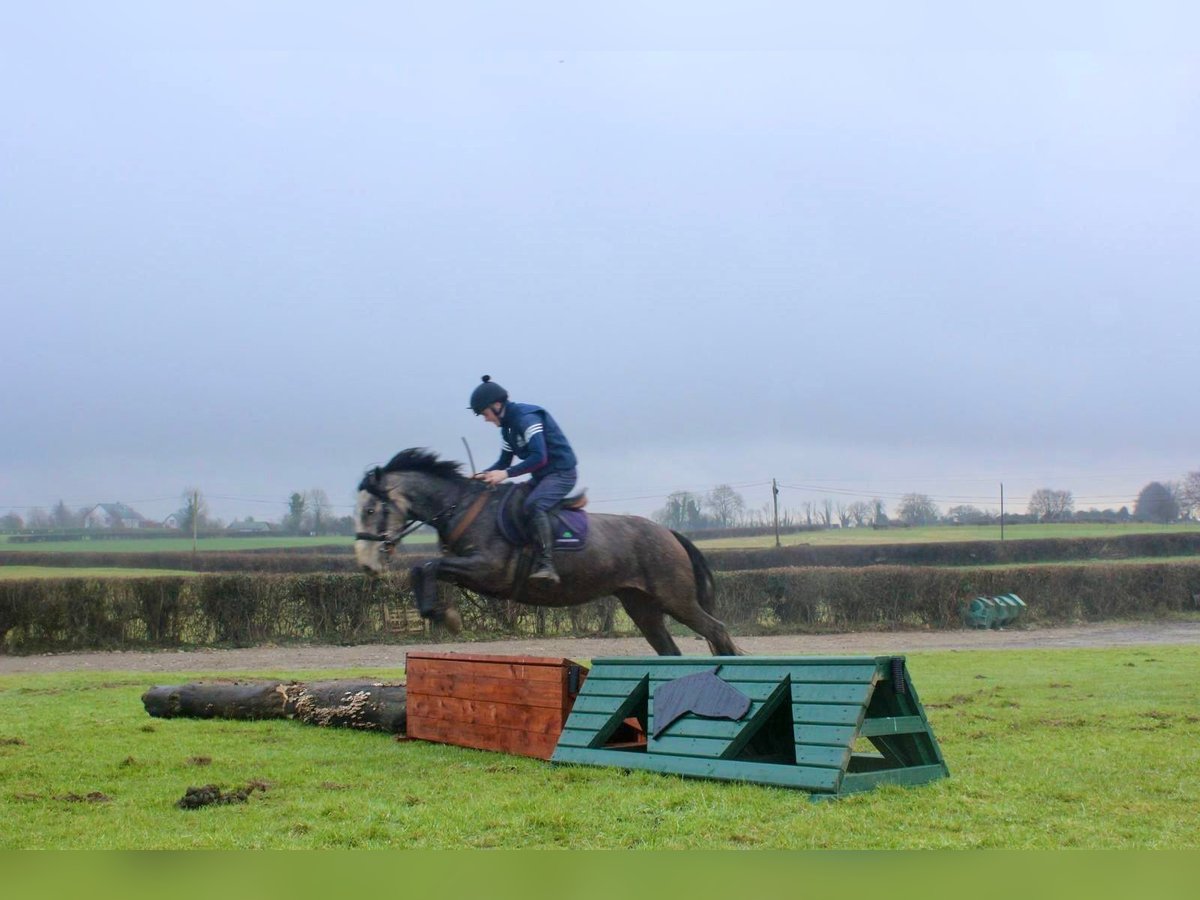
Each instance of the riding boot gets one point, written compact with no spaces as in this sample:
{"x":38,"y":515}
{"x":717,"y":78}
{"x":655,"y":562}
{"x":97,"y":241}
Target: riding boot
{"x":543,"y":536}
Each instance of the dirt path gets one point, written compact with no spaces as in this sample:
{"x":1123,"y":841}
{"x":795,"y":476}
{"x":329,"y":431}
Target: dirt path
{"x":387,"y":656}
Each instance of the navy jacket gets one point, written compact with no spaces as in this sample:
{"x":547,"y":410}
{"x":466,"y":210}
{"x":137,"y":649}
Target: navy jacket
{"x":531,"y":434}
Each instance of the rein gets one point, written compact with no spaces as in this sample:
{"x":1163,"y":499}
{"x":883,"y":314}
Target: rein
{"x":389,"y":539}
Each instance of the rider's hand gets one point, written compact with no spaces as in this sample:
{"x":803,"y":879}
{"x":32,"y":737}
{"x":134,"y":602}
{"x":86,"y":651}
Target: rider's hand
{"x":492,"y":476}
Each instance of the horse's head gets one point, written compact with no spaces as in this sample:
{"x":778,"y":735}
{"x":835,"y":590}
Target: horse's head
{"x":380,"y":516}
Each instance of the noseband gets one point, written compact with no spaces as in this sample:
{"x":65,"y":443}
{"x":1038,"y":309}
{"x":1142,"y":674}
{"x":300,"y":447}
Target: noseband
{"x":389,"y":539}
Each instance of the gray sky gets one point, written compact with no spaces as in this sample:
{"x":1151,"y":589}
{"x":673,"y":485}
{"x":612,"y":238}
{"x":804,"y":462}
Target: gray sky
{"x":257,"y":248}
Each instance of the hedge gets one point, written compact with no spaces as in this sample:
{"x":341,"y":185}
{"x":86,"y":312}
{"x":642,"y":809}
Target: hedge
{"x":951,"y":553}
{"x":246,"y":610}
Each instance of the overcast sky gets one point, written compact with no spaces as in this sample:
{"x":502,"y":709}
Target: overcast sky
{"x":260,"y":247}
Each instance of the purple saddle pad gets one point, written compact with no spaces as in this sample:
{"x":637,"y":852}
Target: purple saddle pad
{"x":570,"y":525}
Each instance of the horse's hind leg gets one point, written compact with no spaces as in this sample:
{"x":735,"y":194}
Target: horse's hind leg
{"x":713,"y":630}
{"x":648,"y":617}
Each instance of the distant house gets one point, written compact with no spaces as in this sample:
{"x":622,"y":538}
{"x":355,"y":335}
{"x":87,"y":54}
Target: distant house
{"x":174,"y":520}
{"x":113,"y":515}
{"x":249,"y":527}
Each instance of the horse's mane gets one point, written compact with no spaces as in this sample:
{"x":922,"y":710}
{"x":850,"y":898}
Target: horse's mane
{"x":418,"y":459}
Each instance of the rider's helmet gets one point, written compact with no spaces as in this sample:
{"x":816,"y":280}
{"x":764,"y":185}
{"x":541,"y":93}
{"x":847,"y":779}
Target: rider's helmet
{"x":485,"y":394}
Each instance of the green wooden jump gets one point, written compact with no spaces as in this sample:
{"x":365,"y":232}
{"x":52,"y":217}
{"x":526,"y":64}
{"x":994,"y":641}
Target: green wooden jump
{"x":805,"y":717}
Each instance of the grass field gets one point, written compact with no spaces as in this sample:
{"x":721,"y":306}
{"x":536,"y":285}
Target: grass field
{"x":1052,"y":748}
{"x":947,"y":533}
{"x":16,"y":572}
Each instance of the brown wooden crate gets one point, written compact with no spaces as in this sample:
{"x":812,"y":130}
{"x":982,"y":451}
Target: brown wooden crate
{"x":485,"y":737}
{"x":471,"y":712}
{"x":497,"y":690}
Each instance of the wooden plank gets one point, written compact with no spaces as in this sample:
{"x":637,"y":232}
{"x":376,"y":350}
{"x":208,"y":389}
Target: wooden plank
{"x":559,"y":661}
{"x":653,"y":662}
{"x":485,"y":737}
{"x":707,"y":748}
{"x":502,"y":690}
{"x":457,"y":666}
{"x":835,"y":757}
{"x":576,"y":737}
{"x":827,"y":714}
{"x":475,"y":712}
{"x":736,"y":675}
{"x":895,"y":725}
{"x":589,"y":703}
{"x":614,"y":687}
{"x":832,"y":735}
{"x":754,"y":690}
{"x":864,"y":781}
{"x":809,"y":778}
{"x":840,"y":694}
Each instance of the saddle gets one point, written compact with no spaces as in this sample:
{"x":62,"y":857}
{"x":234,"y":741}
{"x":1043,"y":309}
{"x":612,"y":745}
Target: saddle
{"x":567,"y":519}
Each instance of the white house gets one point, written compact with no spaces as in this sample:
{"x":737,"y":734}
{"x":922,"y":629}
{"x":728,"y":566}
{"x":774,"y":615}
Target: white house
{"x":113,"y":515}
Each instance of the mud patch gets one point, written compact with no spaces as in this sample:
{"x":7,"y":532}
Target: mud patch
{"x":211,"y":794}
{"x":11,"y":742}
{"x":199,"y":761}
{"x":91,"y":797}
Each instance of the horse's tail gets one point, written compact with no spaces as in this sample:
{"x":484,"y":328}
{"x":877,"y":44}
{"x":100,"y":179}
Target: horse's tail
{"x":705,"y":588}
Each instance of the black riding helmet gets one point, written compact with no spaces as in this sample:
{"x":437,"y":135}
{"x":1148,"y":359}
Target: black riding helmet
{"x":485,"y":394}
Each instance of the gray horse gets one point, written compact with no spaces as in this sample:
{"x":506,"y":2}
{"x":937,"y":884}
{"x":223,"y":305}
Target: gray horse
{"x":653,"y":571}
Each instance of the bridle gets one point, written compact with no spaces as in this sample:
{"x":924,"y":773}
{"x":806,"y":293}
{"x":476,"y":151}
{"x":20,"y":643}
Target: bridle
{"x":388,"y":539}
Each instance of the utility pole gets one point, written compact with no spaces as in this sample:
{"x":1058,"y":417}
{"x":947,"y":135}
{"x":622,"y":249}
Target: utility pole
{"x":195,"y":517}
{"x":1002,"y":510}
{"x":775,"y":499}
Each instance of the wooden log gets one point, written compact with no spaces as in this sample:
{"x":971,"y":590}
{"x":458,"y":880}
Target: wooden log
{"x":352,"y":704}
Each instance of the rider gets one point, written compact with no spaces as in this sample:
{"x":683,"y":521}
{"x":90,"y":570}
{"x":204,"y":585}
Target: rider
{"x":532,"y":434}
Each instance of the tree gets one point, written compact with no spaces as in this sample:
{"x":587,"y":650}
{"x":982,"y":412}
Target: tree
{"x":1156,"y":503}
{"x":295,"y":514}
{"x":860,"y":512}
{"x":843,"y":514}
{"x":316,"y":503}
{"x":62,"y":517}
{"x":681,"y":512}
{"x":726,"y":505}
{"x":967,"y":515}
{"x":194,"y":513}
{"x":1189,"y":494}
{"x":38,"y":518}
{"x":1050,"y":505}
{"x":825,"y":513}
{"x":11,"y":522}
{"x":918,"y":509}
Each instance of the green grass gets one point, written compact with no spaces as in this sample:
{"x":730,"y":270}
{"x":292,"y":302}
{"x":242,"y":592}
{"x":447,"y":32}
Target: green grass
{"x":184,"y":544}
{"x":1051,"y":748}
{"x":16,"y":572}
{"x":945,"y":533}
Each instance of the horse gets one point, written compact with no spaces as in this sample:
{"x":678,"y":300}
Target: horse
{"x":653,"y":571}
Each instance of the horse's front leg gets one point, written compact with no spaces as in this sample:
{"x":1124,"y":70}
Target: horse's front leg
{"x":474,"y":572}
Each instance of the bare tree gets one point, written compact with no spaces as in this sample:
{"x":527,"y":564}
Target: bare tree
{"x":843,"y":514}
{"x":825,"y":513}
{"x":726,"y":505}
{"x":11,"y":522}
{"x":681,"y":512}
{"x":860,"y":512}
{"x":1189,"y":493}
{"x":1050,"y":505}
{"x":316,"y":503}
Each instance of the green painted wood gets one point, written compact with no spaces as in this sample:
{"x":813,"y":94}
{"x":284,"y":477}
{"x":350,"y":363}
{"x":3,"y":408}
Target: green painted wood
{"x":736,"y":675}
{"x":833,"y":735}
{"x":830,"y":693}
{"x":855,"y":782}
{"x":835,"y":757}
{"x":803,"y":777}
{"x":804,"y":717}
{"x":898,"y":725}
{"x":827,"y":714}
